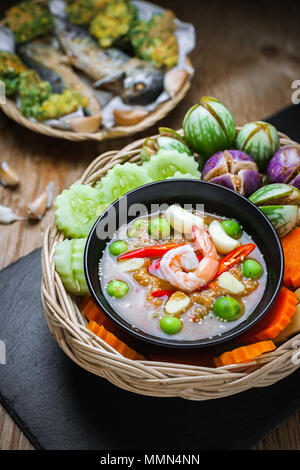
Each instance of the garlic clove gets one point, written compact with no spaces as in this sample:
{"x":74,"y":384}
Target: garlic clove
{"x":7,"y":216}
{"x":8,"y":176}
{"x":37,"y":208}
{"x":89,"y":124}
{"x":177,"y":303}
{"x":174,"y":81}
{"x":129,"y":118}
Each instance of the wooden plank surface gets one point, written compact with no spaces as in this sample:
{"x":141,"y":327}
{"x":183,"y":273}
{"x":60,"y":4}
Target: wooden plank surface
{"x":247,"y":55}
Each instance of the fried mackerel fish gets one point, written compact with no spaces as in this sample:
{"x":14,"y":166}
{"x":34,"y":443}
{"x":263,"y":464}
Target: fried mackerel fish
{"x":10,"y":68}
{"x":82,"y":12}
{"x":27,"y":20}
{"x":38,"y":101}
{"x":113,"y":22}
{"x":154,"y":40}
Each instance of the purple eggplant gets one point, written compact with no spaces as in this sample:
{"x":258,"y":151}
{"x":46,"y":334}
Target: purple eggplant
{"x":234,"y":169}
{"x":295,"y":182}
{"x":285,"y":165}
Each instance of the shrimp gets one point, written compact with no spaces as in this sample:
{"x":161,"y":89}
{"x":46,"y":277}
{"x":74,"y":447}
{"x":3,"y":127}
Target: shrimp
{"x":181,"y":268}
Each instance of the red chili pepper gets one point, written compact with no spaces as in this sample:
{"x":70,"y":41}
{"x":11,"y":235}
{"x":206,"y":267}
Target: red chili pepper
{"x":155,"y":251}
{"x":162,"y":293}
{"x":234,"y":257}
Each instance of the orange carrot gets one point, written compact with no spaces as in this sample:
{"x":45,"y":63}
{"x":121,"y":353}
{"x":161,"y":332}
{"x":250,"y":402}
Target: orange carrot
{"x":113,"y":341}
{"x":275,"y":320}
{"x":92,"y":312}
{"x":244,"y":353}
{"x":291,"y":249}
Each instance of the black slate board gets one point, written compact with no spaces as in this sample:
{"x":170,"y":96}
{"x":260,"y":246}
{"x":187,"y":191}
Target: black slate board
{"x":60,"y":406}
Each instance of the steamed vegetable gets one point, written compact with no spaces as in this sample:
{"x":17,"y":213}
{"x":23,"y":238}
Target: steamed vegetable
{"x":92,"y":312}
{"x":120,"y":179}
{"x":113,"y":341}
{"x":167,"y":162}
{"x":233,"y":169}
{"x":68,"y":260}
{"x":291,"y":250}
{"x":222,"y":241}
{"x":182,"y":220}
{"x":77,"y":209}
{"x":209,"y":127}
{"x":275,"y":320}
{"x":284,"y":166}
{"x":244,"y":353}
{"x":293,"y":328}
{"x":260,"y":140}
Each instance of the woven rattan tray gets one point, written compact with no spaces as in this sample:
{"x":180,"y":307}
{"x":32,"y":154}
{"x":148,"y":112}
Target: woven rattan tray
{"x":68,"y":326}
{"x":11,"y":110}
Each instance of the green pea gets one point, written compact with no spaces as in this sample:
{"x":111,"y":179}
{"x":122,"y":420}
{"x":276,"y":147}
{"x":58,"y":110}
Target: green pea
{"x":227,"y":308}
{"x":118,"y":247}
{"x":170,"y":325}
{"x":137,"y":227}
{"x":232,"y":228}
{"x":117,"y":288}
{"x":252,"y":269}
{"x":159,"y":228}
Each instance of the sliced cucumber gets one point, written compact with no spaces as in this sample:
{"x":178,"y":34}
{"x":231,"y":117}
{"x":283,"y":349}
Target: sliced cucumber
{"x":68,"y":259}
{"x":77,"y":209}
{"x":121,"y":179}
{"x":168,"y":162}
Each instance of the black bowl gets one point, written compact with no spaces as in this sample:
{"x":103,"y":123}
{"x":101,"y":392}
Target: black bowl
{"x":216,"y":199}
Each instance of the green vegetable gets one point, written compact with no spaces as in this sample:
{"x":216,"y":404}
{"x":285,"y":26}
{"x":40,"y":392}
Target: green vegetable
{"x":170,"y":325}
{"x":276,"y":193}
{"x":252,"y":269}
{"x":260,"y":140}
{"x":68,"y":260}
{"x":209,"y":127}
{"x":232,"y":228}
{"x":283,"y":218}
{"x":117,"y":288}
{"x":227,"y":308}
{"x":178,"y":174}
{"x":118,"y":247}
{"x":120,"y":180}
{"x":33,"y":92}
{"x":159,"y":228}
{"x":168,"y":162}
{"x":136,"y":229}
{"x":169,"y":143}
{"x":77,"y":209}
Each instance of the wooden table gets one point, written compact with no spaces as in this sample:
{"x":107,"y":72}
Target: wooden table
{"x":247,"y":55}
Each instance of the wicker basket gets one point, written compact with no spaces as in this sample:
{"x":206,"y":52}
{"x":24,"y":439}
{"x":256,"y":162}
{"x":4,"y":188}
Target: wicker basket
{"x":162,"y":379}
{"x":11,"y":110}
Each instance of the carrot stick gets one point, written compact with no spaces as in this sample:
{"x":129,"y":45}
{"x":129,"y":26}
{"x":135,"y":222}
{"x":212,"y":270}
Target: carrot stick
{"x":275,"y":320}
{"x":291,"y":249}
{"x":113,"y":341}
{"x":244,"y":353}
{"x":92,"y":312}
